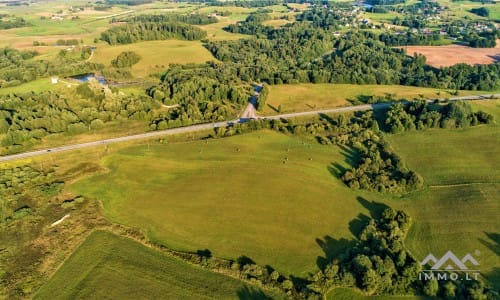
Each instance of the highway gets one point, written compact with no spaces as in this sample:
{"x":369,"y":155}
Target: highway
{"x":200,"y":127}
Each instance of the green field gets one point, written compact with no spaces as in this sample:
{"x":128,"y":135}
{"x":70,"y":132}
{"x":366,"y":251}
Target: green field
{"x":350,"y":294}
{"x":304,"y":97}
{"x":38,"y":85}
{"x":216,"y":32}
{"x":459,"y":210}
{"x":199,"y":195}
{"x":155,"y":55}
{"x":107,"y":266}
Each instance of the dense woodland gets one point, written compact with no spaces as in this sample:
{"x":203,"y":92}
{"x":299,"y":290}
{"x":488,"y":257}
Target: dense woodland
{"x":25,"y":119}
{"x":200,"y":93}
{"x":300,"y":53}
{"x":422,"y":115}
{"x":150,"y":31}
{"x":193,"y":19}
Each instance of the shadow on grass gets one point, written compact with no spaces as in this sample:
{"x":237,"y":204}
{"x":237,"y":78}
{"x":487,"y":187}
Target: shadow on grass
{"x":276,"y":110}
{"x":494,"y":244}
{"x":204,"y":253}
{"x":357,"y":225}
{"x":375,"y":208}
{"x":332,"y":248}
{"x":328,"y":119}
{"x":251,"y":293}
{"x":351,"y":157}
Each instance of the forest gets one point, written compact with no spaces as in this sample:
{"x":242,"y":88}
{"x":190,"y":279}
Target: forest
{"x":150,"y":31}
{"x":193,"y":19}
{"x":25,"y":119}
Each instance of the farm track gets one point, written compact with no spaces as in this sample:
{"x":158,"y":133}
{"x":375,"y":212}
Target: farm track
{"x":207,"y":126}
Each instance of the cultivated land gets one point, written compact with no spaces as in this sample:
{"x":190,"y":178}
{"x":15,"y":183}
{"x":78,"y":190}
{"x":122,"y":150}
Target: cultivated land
{"x":444,"y":56}
{"x":307,"y":97}
{"x":155,"y":55}
{"x":107,"y":266}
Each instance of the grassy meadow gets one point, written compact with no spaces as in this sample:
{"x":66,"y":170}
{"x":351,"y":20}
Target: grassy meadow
{"x":351,"y":294}
{"x":155,"y":55}
{"x":240,"y":196}
{"x":306,"y":97}
{"x":107,"y":266}
{"x":459,"y":209}
{"x":198,"y":195}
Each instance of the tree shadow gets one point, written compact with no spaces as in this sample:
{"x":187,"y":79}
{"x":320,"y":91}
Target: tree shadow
{"x":276,"y":110}
{"x":328,"y":119}
{"x":357,"y":225}
{"x":359,"y":99}
{"x":495,"y":57}
{"x":204,"y":253}
{"x":351,"y":157}
{"x":493,"y":243}
{"x":251,"y":293}
{"x":244,"y":260}
{"x":332,"y":248}
{"x":375,"y":208}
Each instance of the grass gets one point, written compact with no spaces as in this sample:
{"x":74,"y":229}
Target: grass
{"x":306,"y":97}
{"x":39,"y":85}
{"x":155,"y":55}
{"x":216,"y":32}
{"x":459,"y":210}
{"x":447,"y":157}
{"x":199,"y":195}
{"x":276,"y":23}
{"x":350,"y":294}
{"x":107,"y":266}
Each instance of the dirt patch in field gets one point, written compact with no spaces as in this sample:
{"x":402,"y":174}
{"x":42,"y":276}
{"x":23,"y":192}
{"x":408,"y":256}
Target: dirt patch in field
{"x":443,"y":56}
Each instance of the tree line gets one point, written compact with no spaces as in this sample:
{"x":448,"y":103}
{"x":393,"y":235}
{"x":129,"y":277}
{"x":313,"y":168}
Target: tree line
{"x":193,"y":19}
{"x":420,"y":115}
{"x":150,"y":31}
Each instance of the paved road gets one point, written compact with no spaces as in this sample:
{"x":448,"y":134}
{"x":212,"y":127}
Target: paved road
{"x":200,"y":127}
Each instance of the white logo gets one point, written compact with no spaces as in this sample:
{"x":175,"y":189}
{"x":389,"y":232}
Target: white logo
{"x":451,"y":261}
{"x":449,"y":267}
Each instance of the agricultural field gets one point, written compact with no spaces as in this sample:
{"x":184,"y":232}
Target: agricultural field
{"x":306,"y":97}
{"x":444,"y":56}
{"x":155,"y":55}
{"x":114,"y":267}
{"x":235,"y":195}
